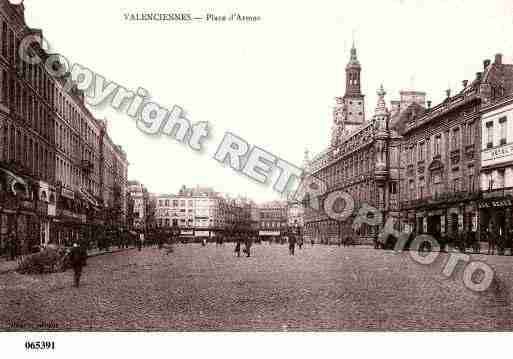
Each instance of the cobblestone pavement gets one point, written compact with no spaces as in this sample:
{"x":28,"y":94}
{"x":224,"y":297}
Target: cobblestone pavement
{"x":207,"y":288}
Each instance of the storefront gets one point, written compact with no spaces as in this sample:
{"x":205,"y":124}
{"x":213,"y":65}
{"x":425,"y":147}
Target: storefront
{"x":495,"y":211}
{"x":19,"y":223}
{"x":451,"y":214}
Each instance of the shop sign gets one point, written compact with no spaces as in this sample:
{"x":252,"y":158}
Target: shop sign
{"x":187,"y":233}
{"x":474,"y":223}
{"x":497,"y":203}
{"x":424,"y":225}
{"x":442,"y":224}
{"x":268,"y":233}
{"x":460,"y":222}
{"x":498,"y":155}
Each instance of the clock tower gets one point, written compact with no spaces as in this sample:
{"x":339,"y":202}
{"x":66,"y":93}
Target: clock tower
{"x":349,"y":111}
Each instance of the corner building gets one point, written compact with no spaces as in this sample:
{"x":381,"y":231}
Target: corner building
{"x":496,"y":178}
{"x":440,"y":162}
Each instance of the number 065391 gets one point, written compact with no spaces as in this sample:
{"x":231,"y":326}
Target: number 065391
{"x":40,"y":345}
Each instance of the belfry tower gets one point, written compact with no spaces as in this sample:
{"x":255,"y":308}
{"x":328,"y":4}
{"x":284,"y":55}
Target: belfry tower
{"x":349,"y":111}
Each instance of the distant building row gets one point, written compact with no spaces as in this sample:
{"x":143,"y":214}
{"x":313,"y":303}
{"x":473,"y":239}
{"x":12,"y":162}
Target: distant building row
{"x":205,"y":212}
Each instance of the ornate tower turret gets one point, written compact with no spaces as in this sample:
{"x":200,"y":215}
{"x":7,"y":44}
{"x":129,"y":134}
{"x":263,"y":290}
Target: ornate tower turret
{"x":353,"y":98}
{"x":380,"y":121}
{"x":353,"y":70}
{"x":349,"y":110}
{"x":382,"y":137}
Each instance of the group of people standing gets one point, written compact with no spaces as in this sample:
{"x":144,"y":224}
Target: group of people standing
{"x":247,"y":239}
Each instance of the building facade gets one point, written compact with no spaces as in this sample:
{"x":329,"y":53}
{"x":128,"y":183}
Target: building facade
{"x":201,"y":212}
{"x":361,"y":161}
{"x":441,"y":150}
{"x":273,"y":219}
{"x":420,"y":166}
{"x":50,"y":150}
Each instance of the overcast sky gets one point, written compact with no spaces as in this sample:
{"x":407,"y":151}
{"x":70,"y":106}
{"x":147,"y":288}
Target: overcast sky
{"x":273,"y":82}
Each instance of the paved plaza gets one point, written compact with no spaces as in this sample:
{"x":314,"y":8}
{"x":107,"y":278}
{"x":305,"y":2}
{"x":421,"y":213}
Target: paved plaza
{"x":208,"y":288}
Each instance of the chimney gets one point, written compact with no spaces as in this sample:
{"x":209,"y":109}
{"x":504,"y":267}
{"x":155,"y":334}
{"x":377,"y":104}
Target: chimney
{"x":465,"y":83}
{"x":498,"y":59}
{"x":486,"y":63}
{"x":429,"y":104}
{"x":479,"y":76}
{"x":448,"y":93}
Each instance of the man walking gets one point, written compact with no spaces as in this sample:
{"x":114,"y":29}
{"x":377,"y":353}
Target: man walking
{"x":247,"y":245}
{"x":292,"y":243}
{"x":238,"y":240}
{"x":78,"y":257}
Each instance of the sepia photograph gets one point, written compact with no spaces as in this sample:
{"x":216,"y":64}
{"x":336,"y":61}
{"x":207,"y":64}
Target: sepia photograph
{"x":321,"y":171}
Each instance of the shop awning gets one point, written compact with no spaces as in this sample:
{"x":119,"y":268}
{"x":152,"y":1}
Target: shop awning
{"x":14,"y":183}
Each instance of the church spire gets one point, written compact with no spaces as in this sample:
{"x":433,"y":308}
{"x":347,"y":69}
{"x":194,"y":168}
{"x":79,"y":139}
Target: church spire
{"x":353,"y":60}
{"x":353,"y":70}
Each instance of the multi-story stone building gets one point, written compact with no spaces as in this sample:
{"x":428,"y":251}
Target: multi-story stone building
{"x":54,"y":182}
{"x":273,"y":219}
{"x":440,"y":158}
{"x":362,"y":161}
{"x":201,"y":211}
{"x":496,"y":178}
{"x":113,"y":178}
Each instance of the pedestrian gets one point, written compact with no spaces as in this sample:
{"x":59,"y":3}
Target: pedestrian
{"x":140,"y":241}
{"x":78,"y":257}
{"x":170,"y":242}
{"x":492,"y":240}
{"x":237,"y":244}
{"x":292,"y":243}
{"x":247,"y":245}
{"x":161,"y":238}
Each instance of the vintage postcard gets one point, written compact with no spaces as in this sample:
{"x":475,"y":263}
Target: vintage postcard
{"x":175,"y":167}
